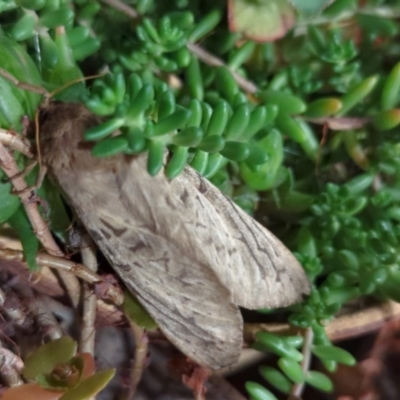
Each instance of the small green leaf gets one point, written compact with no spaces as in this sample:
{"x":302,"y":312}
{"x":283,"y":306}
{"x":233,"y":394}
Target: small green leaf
{"x":190,"y":137}
{"x":46,"y":357}
{"x":194,"y":79}
{"x":334,"y":353}
{"x":292,"y":369}
{"x":295,"y":341}
{"x":212,"y":144}
{"x":286,"y":102}
{"x":257,"y":156}
{"x":135,"y":311}
{"x":276,"y":378}
{"x":215,"y":162}
{"x":200,"y":161}
{"x":264,"y":176}
{"x":59,"y":219}
{"x":235,"y":151}
{"x":226,"y":83}
{"x":391,"y":89}
{"x":32,"y":4}
{"x":136,"y":140}
{"x":323,"y":107}
{"x":206,"y":25}
{"x":319,"y":381}
{"x":30,"y":244}
{"x":275,"y":344}
{"x":156,"y":157}
{"x":172,"y":122}
{"x":103,"y":130}
{"x":177,"y":162}
{"x":357,"y":94}
{"x":24,"y":28}
{"x":349,"y":259}
{"x":63,"y":15}
{"x":110,"y":147}
{"x":291,"y":127}
{"x":259,"y":392}
{"x":166,"y":104}
{"x":238,"y":122}
{"x":141,"y":102}
{"x":257,"y":121}
{"x":219,"y":119}
{"x":386,"y":120}
{"x":9,"y":203}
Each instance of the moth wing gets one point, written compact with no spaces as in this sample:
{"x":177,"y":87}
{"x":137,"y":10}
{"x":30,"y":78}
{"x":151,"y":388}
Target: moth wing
{"x":262,"y":272}
{"x":160,"y":242}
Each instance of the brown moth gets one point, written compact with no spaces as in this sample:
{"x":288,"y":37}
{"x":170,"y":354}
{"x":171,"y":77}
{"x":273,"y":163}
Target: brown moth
{"x":187,"y":252}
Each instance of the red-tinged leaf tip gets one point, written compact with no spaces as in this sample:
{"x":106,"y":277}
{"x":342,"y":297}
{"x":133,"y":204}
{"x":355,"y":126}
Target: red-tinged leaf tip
{"x":31,"y":391}
{"x":89,"y":367}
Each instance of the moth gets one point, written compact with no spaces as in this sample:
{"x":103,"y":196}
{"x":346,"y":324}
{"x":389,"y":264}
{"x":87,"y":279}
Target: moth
{"x":187,"y":252}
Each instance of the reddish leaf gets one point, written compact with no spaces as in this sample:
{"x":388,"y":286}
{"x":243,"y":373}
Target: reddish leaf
{"x":88,"y":365}
{"x":31,"y":391}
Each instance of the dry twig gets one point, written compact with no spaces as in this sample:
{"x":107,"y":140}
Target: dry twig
{"x":113,"y":293}
{"x":297,"y":388}
{"x":87,"y":339}
{"x":15,"y":142}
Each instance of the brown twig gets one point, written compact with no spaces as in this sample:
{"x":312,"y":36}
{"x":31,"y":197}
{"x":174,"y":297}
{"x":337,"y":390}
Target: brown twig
{"x":87,"y":339}
{"x":15,"y":142}
{"x":10,"y":168}
{"x":214,"y":61}
{"x":340,"y":123}
{"x":48,"y":285}
{"x":113,"y":293}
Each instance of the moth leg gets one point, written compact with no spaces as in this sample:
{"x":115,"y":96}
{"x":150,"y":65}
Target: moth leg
{"x":25,"y":172}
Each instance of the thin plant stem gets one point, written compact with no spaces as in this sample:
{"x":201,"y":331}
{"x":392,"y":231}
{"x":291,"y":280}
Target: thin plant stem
{"x":214,"y":61}
{"x":297,"y":388}
{"x":87,"y":339}
{"x":15,"y":142}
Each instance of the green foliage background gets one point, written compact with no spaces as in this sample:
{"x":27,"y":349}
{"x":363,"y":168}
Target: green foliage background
{"x":332,"y":195}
